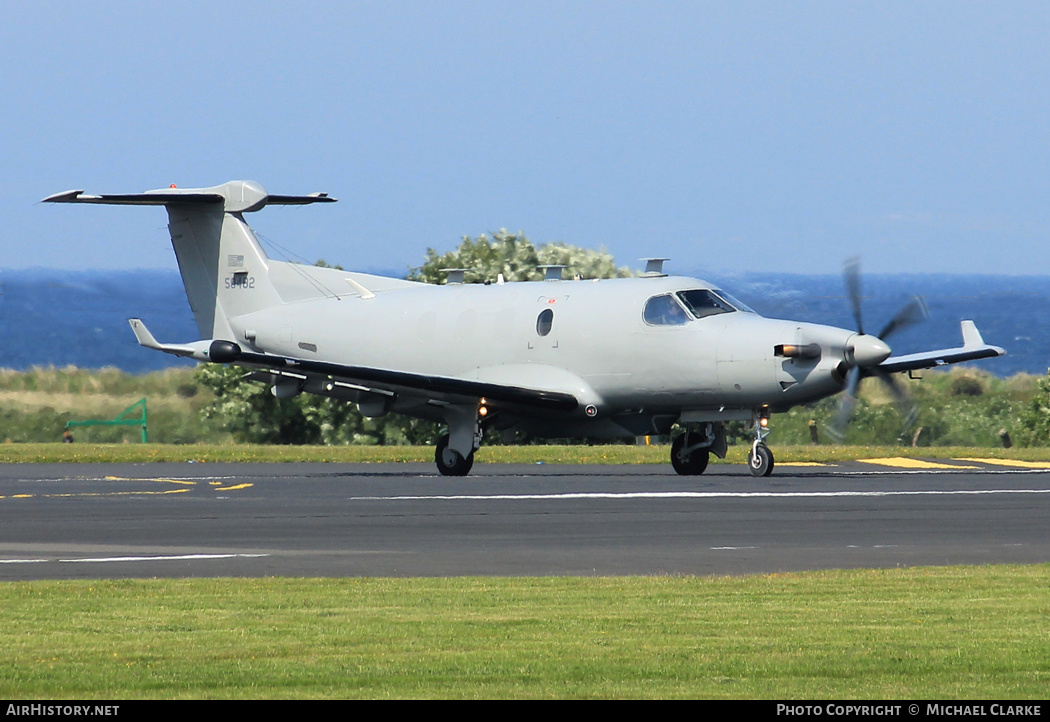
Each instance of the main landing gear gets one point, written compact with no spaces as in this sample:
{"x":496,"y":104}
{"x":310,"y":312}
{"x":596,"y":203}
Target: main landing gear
{"x":454,"y":454}
{"x":449,"y":461}
{"x":691,"y":450}
{"x":686,"y":458}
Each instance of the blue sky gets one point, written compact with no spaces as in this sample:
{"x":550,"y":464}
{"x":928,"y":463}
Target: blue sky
{"x":729,"y":136}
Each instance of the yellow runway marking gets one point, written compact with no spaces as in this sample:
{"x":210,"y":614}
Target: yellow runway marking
{"x":904,"y":463}
{"x":1012,"y":462}
{"x":112,"y":493}
{"x":184,"y":484}
{"x":152,"y":478}
{"x":78,"y":494}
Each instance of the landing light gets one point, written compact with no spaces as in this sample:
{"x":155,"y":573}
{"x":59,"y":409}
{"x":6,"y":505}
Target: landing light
{"x":802,"y":351}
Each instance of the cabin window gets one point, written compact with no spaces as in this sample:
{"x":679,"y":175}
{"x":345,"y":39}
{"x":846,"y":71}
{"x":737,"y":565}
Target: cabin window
{"x":702,"y":303}
{"x":664,"y":311}
{"x":543,"y":323}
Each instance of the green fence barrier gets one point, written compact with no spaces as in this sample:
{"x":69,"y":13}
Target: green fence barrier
{"x":121,"y":420}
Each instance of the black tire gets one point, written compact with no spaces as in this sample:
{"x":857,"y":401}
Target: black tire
{"x":449,"y":461}
{"x":760,"y":461}
{"x":692,"y":465}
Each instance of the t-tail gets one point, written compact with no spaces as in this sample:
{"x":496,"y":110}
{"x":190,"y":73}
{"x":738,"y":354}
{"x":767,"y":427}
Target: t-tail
{"x":224,"y":269}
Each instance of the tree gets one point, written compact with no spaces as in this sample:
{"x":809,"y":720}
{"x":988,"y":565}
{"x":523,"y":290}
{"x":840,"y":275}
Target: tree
{"x":250,"y":412}
{"x":253,"y":415}
{"x":1035,"y":417}
{"x":517,"y":258}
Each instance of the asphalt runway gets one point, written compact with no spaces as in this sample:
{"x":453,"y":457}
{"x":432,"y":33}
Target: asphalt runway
{"x":60,"y":521}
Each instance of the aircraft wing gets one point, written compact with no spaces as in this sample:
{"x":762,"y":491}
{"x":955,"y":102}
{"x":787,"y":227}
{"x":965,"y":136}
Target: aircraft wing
{"x":361,"y":377}
{"x":386,"y":380}
{"x":973,"y":348}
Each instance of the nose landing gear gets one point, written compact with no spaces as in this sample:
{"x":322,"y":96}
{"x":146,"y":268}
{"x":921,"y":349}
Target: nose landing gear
{"x":760,"y":458}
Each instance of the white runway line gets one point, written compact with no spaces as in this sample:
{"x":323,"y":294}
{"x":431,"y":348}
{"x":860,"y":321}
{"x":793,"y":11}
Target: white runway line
{"x":176,"y":557}
{"x":697,"y":495}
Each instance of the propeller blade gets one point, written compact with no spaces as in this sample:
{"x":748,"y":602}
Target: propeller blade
{"x":915,"y":311}
{"x":847,"y":401}
{"x":909,"y":411}
{"x":864,"y":353}
{"x":851,"y":271}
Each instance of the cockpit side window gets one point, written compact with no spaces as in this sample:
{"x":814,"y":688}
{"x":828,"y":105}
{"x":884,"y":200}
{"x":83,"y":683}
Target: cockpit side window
{"x":702,"y":303}
{"x":664,"y":311}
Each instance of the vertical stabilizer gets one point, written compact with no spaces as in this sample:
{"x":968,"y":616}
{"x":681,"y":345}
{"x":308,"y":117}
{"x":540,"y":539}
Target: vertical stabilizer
{"x":224,"y":269}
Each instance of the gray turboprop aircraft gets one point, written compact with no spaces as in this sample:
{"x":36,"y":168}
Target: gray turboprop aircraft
{"x":584,"y":358}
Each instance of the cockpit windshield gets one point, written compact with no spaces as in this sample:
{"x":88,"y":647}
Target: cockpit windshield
{"x":702,"y":303}
{"x":734,"y":302}
{"x":667,"y":309}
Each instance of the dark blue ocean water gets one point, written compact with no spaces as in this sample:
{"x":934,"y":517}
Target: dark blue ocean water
{"x":62,"y":318}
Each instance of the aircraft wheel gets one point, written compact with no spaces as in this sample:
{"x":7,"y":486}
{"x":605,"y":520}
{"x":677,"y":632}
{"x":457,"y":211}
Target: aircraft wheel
{"x":449,"y":461}
{"x":692,"y":465}
{"x":760,"y":461}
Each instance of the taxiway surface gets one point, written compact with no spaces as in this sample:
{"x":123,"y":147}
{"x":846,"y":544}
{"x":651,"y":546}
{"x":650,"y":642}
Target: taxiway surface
{"x":183,"y":520}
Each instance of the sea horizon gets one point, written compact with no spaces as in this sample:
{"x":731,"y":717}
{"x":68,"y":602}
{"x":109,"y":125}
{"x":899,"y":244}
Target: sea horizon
{"x":60,"y":318}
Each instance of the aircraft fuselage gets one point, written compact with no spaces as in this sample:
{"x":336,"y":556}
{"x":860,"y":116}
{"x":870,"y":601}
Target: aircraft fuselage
{"x":588,"y":338}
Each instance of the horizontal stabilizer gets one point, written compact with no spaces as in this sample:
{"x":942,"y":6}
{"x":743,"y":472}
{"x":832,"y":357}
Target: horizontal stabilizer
{"x":217,"y":351}
{"x":237,"y":197}
{"x":973,"y":348}
{"x":150,"y":198}
{"x":299,"y":200}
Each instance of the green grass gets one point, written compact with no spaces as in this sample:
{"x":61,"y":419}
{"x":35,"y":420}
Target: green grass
{"x":945,"y":633}
{"x":959,"y":407}
{"x":612,"y":454}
